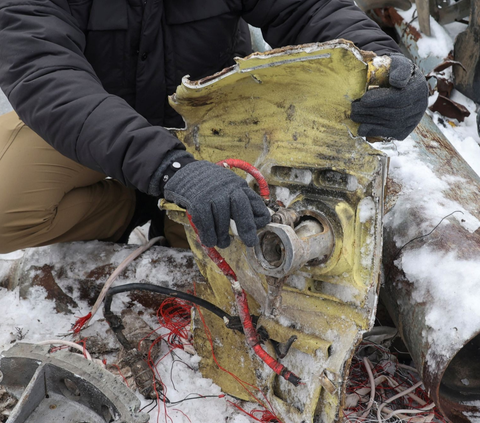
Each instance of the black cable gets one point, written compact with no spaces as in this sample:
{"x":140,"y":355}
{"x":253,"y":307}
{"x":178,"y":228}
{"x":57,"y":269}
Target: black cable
{"x":409,"y":23}
{"x":187,"y":398}
{"x":232,"y":322}
{"x":165,"y":291}
{"x":177,"y":360}
{"x":153,"y":408}
{"x":423,"y":236}
{"x":116,"y":323}
{"x":145,"y":406}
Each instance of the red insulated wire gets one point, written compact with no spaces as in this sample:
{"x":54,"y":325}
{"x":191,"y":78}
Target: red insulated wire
{"x":214,"y":255}
{"x":77,"y":327}
{"x":252,"y":170}
{"x":121,"y":374}
{"x":253,"y":341}
{"x":244,"y":313}
{"x":267,"y":405}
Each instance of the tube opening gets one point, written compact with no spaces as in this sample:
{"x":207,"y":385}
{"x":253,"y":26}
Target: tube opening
{"x":461,"y":380}
{"x":272,"y":249}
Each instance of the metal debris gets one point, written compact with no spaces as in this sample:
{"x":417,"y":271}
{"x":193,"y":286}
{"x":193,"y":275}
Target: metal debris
{"x":442,"y":373}
{"x":317,"y":168}
{"x":64,"y":386}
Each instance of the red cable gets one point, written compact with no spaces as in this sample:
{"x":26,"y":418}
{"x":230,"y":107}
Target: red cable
{"x":252,"y":170}
{"x":77,"y":327}
{"x":253,"y":341}
{"x":244,"y":313}
{"x":244,"y":384}
{"x":266,"y":416}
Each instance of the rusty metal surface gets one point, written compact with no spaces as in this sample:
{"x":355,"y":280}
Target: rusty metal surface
{"x":466,"y":51}
{"x":449,"y":108}
{"x":409,"y":38}
{"x":442,"y":374}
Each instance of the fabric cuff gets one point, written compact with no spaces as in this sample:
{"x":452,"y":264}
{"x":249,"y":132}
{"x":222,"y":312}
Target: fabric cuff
{"x":174,"y":161}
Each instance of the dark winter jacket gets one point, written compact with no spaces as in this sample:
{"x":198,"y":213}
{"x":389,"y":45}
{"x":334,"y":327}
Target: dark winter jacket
{"x":92,"y":76}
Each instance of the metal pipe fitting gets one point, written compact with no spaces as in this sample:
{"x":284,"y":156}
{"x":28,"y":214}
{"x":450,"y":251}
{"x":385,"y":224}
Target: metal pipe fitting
{"x":282,"y":249}
{"x":286,"y":217}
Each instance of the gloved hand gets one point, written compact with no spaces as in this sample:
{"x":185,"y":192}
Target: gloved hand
{"x":212,"y":195}
{"x":397,"y":110}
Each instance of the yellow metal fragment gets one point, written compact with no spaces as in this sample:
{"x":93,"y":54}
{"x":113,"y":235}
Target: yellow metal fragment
{"x":287,"y":112}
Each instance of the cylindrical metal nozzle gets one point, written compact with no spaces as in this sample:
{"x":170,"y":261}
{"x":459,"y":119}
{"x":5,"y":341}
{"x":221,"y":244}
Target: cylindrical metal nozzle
{"x":282,"y":249}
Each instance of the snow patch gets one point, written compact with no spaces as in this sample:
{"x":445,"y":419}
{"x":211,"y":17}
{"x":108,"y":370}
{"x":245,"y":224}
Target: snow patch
{"x":366,"y":210}
{"x":29,"y":319}
{"x":438,"y":44}
{"x":421,"y":189}
{"x":285,"y":196}
{"x":450,"y":286}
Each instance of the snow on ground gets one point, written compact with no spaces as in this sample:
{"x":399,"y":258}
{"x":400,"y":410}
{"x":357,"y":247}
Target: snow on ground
{"x":34,"y":319}
{"x":29,"y":319}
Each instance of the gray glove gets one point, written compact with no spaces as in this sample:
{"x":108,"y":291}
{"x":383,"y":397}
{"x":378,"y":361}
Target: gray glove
{"x":397,"y":110}
{"x":212,"y":195}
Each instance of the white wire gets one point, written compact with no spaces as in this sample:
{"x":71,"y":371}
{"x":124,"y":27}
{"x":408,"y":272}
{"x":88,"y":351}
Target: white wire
{"x":368,"y":366}
{"x":404,"y":366}
{"x":121,"y":267}
{"x":411,"y":411}
{"x":69,"y":344}
{"x":399,"y":395}
{"x":383,"y":409}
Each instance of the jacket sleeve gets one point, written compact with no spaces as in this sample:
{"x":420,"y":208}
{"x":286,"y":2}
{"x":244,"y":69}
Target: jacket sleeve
{"x":290,"y":22}
{"x":55,"y":91}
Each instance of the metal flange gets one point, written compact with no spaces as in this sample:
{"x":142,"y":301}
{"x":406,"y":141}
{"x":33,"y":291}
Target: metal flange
{"x":64,"y":387}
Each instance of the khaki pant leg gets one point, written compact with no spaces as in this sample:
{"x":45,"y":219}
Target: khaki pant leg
{"x":175,"y":234}
{"x":47,"y":198}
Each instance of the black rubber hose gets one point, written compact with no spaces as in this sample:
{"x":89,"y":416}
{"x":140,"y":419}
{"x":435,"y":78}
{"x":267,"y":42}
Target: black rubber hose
{"x":166,"y":291}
